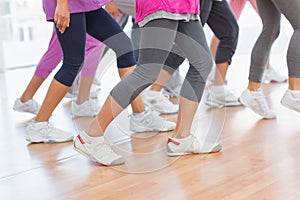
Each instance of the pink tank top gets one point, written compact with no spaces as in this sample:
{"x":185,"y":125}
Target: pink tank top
{"x":146,"y":7}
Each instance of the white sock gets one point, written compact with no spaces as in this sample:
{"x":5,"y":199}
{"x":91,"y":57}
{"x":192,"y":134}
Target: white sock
{"x":218,"y":88}
{"x":295,"y":92}
{"x":88,"y":138}
{"x":183,"y":139}
{"x":141,"y":114}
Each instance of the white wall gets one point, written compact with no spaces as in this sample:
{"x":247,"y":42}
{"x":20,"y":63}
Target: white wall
{"x":24,"y":33}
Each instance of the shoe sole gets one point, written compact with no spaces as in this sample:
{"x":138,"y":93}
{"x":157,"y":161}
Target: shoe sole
{"x":216,"y":149}
{"x":25,"y":111}
{"x":221,"y":105}
{"x":155,"y":131}
{"x":89,"y":156}
{"x":288,"y":106}
{"x":245,"y":104}
{"x":180,"y":154}
{"x":38,"y":139}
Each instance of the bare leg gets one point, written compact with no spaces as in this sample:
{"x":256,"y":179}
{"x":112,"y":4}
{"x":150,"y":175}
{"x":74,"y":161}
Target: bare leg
{"x":137,"y":104}
{"x":162,"y":79}
{"x":268,"y":64}
{"x":106,"y":115}
{"x":187,"y":110}
{"x":32,"y":87}
{"x":213,"y":46}
{"x":253,"y":86}
{"x":55,"y":93}
{"x":294,"y":83}
{"x":220,"y":75}
{"x":111,"y":109}
{"x":84,"y":89}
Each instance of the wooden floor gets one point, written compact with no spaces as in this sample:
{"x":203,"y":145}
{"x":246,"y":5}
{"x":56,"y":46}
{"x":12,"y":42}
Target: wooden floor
{"x":260,"y":158}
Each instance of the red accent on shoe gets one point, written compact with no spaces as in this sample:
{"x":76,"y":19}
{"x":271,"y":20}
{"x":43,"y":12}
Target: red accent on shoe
{"x":173,"y":141}
{"x":80,"y":139}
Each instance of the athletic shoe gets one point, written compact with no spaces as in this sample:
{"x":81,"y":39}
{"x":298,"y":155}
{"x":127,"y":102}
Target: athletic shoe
{"x":256,"y":101}
{"x":46,"y":132}
{"x":220,"y":96}
{"x":291,"y":100}
{"x":159,"y":102}
{"x":271,"y":75}
{"x":30,"y":106}
{"x":98,"y":150}
{"x":89,"y":108}
{"x":149,"y":121}
{"x":186,"y":146}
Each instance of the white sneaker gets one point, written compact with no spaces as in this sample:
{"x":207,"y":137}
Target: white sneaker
{"x":220,"y":96}
{"x":159,"y":102}
{"x":30,"y":106}
{"x":271,"y":75}
{"x":97,"y":150}
{"x":186,"y":146}
{"x":46,"y":132}
{"x":150,"y":121}
{"x":291,"y":100}
{"x":95,"y":92}
{"x":256,"y":101}
{"x":89,"y":108}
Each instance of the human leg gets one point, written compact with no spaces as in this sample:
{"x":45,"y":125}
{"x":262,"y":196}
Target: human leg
{"x":51,"y":58}
{"x":253,"y":96}
{"x":290,"y":10}
{"x":191,"y":40}
{"x":142,"y":76}
{"x":41,"y":130}
{"x":124,"y":65}
{"x":220,"y":16}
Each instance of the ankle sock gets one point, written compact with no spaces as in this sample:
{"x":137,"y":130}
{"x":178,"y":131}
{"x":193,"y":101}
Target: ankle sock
{"x":295,"y":92}
{"x":141,"y":114}
{"x":88,"y":138}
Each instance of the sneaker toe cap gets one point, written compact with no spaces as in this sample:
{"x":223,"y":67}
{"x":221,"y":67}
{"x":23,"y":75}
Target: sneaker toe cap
{"x":118,"y":161}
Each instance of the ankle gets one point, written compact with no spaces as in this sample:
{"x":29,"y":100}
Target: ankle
{"x":23,"y":100}
{"x":181,"y":135}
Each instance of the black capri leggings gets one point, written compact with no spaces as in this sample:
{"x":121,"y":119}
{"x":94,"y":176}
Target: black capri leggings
{"x":101,"y":26}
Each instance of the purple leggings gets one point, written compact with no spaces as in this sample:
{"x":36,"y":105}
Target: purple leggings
{"x":53,"y":56}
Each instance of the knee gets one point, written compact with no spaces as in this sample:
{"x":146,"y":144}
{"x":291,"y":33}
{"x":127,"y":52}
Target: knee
{"x":229,"y":38}
{"x":202,"y":68}
{"x":173,"y":61}
{"x":75,"y":60}
{"x":271,"y":31}
{"x":67,"y":74}
{"x":234,"y":34}
{"x":147,"y":73}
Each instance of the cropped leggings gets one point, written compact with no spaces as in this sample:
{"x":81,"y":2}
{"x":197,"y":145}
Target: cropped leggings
{"x":219,"y":17}
{"x":100,"y":25}
{"x":270,"y":13}
{"x":157,"y":39}
{"x":53,"y":56}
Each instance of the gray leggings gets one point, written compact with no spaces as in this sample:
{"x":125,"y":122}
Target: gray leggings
{"x":270,"y":13}
{"x":157,"y":39}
